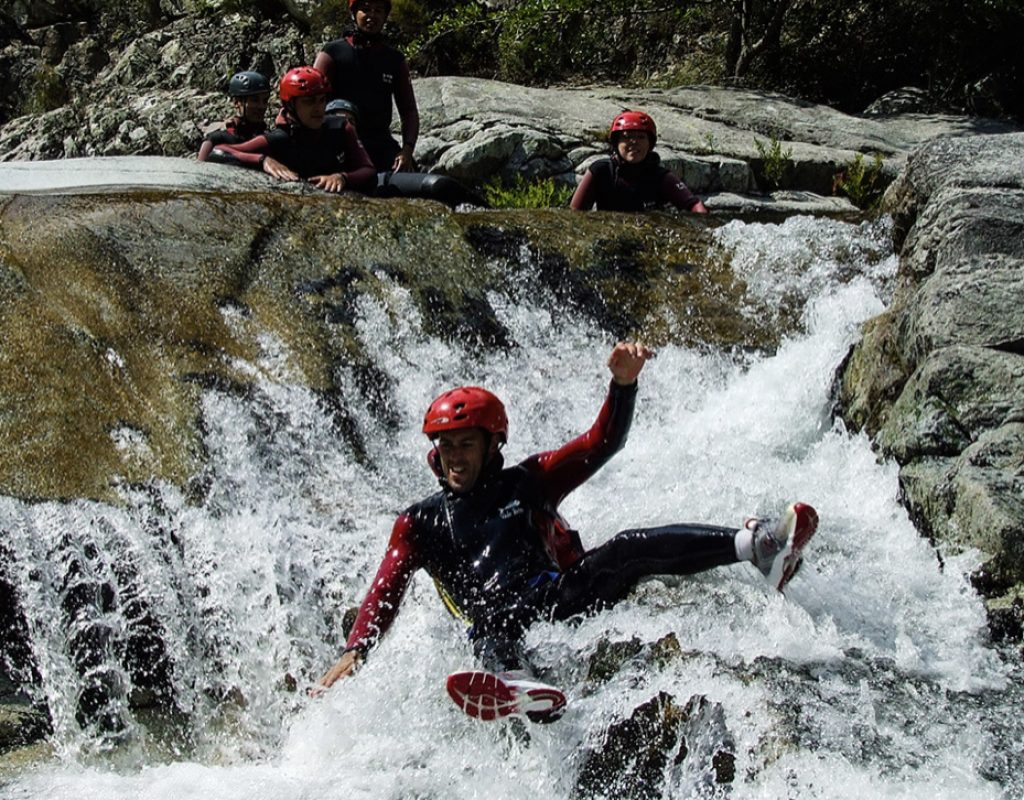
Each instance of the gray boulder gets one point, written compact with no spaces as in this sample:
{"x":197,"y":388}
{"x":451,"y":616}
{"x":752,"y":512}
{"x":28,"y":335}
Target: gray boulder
{"x":938,"y":379}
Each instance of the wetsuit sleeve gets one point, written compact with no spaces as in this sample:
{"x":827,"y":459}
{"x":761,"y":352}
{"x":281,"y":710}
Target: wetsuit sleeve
{"x":380,"y":607}
{"x":584,"y":196}
{"x":250,"y":153}
{"x":677,"y":193}
{"x":562,"y":470}
{"x":405,"y":102}
{"x":362,"y":174}
{"x":325,"y":64}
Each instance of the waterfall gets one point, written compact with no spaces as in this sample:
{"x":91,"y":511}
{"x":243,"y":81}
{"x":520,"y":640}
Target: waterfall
{"x":174,"y":635}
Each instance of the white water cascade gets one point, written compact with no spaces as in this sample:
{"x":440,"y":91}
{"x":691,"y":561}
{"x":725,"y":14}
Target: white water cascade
{"x":872,"y":677}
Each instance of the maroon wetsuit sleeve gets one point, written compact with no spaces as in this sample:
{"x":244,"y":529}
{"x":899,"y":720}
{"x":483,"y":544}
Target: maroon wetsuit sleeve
{"x":325,"y":64}
{"x":362,"y":174}
{"x":405,"y":102}
{"x":380,"y":607}
{"x":249,"y":153}
{"x":677,"y":193}
{"x":583,"y":198}
{"x":562,"y":470}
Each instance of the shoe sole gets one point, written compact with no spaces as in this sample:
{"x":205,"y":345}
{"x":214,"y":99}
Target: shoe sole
{"x":485,"y":696}
{"x":804,"y":522}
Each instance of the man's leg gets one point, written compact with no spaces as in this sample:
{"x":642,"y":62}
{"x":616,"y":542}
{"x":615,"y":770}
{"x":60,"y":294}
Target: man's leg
{"x":607,"y":574}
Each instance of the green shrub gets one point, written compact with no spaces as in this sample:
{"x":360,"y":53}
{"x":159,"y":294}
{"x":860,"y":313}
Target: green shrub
{"x":862,"y":183}
{"x":774,"y":160}
{"x":47,"y":91}
{"x":525,"y":193}
{"x":538,"y":42}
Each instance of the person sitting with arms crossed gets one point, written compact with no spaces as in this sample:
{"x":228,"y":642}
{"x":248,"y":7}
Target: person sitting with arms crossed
{"x":632,"y":178}
{"x":302,"y":146}
{"x":502,"y":556}
{"x":366,"y":71}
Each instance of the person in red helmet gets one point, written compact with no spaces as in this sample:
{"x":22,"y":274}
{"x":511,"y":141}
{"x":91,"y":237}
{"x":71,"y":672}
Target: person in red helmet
{"x":304,"y":145}
{"x":502,"y":556}
{"x":632,"y":178}
{"x":364,"y":70}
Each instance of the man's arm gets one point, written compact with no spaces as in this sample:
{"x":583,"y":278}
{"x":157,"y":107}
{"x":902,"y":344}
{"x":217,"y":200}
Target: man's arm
{"x":679,"y":195}
{"x":325,"y":64}
{"x":584,"y":196}
{"x":564,"y":469}
{"x":405,"y":102}
{"x":380,"y":607}
{"x":360,"y":173}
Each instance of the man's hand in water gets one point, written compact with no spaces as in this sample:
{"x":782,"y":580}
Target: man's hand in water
{"x":347,"y":664}
{"x":626,"y":361}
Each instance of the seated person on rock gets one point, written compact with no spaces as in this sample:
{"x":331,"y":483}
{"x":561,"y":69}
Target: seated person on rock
{"x":305,"y":145}
{"x":502,"y":556}
{"x":249,"y":92}
{"x":632,"y":178}
{"x":428,"y":186}
{"x":369,"y":73}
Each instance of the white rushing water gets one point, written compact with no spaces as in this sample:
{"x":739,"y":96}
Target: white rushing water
{"x":871,"y":678}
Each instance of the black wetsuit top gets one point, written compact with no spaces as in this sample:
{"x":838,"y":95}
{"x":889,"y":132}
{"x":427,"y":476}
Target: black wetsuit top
{"x":614,"y":185}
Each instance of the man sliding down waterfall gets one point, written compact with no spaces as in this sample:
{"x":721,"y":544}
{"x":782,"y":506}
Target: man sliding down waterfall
{"x":502,"y":557}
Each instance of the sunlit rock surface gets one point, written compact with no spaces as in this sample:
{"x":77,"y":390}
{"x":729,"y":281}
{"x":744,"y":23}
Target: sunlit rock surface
{"x":130,"y":284}
{"x":939,"y":378}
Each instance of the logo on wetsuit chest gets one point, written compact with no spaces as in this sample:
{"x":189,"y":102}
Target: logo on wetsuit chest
{"x":511,"y":510}
{"x":387,"y":78}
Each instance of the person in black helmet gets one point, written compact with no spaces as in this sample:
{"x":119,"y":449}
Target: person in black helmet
{"x":250,"y":93}
{"x":305,"y":145}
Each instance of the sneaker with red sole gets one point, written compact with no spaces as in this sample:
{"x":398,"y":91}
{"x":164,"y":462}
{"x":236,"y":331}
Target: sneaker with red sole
{"x":778,"y":543}
{"x":489,"y":696}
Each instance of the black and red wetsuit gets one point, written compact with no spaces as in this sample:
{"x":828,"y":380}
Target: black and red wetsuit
{"x":501,"y":555}
{"x":614,"y":185}
{"x":235,"y":131}
{"x":331,"y":149}
{"x":367,"y":72}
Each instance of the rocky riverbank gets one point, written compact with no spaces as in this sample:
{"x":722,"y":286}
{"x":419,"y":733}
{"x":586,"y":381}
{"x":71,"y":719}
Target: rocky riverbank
{"x":938,"y":380}
{"x":158,"y":94}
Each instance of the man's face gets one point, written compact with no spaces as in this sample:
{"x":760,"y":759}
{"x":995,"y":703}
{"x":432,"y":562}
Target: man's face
{"x":311,"y":110}
{"x":252,"y":108}
{"x":463,"y":455}
{"x":633,"y":146}
{"x":371,"y":15}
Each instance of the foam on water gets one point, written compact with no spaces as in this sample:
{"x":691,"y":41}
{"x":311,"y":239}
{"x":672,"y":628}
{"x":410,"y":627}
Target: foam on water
{"x":871,"y":678}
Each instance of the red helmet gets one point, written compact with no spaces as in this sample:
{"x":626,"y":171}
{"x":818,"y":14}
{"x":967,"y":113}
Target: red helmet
{"x":303,"y":82}
{"x":466,"y":407}
{"x":353,"y":3}
{"x":633,"y":121}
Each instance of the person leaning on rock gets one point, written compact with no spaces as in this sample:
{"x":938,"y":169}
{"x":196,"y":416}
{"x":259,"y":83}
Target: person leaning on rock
{"x":250,"y":93}
{"x":305,"y":145}
{"x":632,"y":178}
{"x":429,"y":186}
{"x":369,"y":73}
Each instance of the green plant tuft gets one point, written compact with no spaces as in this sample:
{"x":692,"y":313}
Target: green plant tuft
{"x":774,"y":160}
{"x":47,"y":91}
{"x":862,"y":183}
{"x":525,"y":193}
